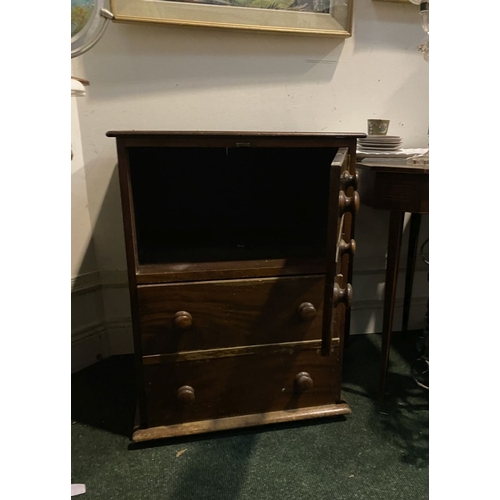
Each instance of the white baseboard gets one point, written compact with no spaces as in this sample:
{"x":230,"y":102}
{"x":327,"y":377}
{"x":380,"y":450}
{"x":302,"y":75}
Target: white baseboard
{"x":89,"y":349}
{"x":120,"y":337}
{"x":367,"y":316}
{"x":85,"y":283}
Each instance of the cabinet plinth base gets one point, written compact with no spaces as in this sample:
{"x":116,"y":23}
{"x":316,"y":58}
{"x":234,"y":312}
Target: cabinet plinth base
{"x":223,"y":424}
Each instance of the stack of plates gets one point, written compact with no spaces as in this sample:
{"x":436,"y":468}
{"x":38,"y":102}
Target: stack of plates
{"x":380,"y":143}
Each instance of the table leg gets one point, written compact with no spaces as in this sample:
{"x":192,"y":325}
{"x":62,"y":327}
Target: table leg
{"x":391,"y":278}
{"x":410,"y":266}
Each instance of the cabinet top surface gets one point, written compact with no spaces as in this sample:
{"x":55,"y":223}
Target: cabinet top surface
{"x":166,"y":133}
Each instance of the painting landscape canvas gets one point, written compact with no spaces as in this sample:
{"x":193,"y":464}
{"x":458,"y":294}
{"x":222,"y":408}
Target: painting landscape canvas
{"x":320,"y":17}
{"x":297,"y":5}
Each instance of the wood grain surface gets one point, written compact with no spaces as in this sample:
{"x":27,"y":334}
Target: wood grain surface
{"x":259,"y":382}
{"x":229,"y":313}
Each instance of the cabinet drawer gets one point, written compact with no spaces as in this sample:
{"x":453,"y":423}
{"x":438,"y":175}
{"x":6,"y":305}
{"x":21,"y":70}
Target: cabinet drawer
{"x":229,"y":313}
{"x":254,"y":381}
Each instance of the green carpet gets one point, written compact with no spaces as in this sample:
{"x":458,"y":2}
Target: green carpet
{"x":381,"y":451}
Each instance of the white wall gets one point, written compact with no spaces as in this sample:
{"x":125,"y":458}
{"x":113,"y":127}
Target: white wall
{"x":88,"y":326}
{"x":172,"y":78}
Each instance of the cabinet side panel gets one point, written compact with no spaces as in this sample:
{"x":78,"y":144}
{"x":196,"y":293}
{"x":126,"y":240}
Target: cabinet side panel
{"x":131,"y":252}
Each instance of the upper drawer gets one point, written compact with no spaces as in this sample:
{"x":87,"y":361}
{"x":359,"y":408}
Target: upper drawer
{"x":229,"y":313}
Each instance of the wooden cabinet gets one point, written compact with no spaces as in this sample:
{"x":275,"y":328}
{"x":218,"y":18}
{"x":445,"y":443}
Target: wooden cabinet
{"x":239,"y":249}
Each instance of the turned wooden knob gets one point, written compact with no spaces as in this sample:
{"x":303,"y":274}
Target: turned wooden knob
{"x":342,"y":295}
{"x":307,"y":311}
{"x":349,"y":248}
{"x":185,"y":394}
{"x":183,"y":320}
{"x":303,"y":382}
{"x":348,"y":203}
{"x":349,"y":180}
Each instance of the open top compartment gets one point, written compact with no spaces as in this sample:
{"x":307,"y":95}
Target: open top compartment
{"x":216,"y":204}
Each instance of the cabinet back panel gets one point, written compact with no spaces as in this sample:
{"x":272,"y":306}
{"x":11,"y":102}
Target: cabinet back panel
{"x":210,"y":204}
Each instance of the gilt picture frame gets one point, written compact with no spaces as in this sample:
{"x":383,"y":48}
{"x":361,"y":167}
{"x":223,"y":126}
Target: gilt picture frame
{"x":308,"y":17}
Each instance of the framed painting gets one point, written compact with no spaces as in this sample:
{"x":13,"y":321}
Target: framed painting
{"x":313,"y":17}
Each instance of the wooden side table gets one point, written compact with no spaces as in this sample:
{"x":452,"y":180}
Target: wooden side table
{"x":399,"y":189}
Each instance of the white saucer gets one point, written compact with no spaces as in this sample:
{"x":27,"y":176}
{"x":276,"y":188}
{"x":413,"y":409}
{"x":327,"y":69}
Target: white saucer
{"x":381,"y":138}
{"x":373,"y":148}
{"x":368,"y":145}
{"x":382,"y":143}
{"x":398,"y":139}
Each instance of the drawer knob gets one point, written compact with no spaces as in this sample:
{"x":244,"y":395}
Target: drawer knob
{"x":307,"y":311}
{"x":185,"y":394}
{"x":303,"y":382}
{"x":183,"y":320}
{"x":349,"y":248}
{"x":349,"y":180}
{"x":342,"y":295}
{"x":348,"y":203}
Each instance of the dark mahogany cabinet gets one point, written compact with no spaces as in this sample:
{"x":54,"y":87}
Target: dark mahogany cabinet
{"x":239,"y":249}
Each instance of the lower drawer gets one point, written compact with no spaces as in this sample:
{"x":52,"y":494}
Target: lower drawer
{"x":242,"y":381}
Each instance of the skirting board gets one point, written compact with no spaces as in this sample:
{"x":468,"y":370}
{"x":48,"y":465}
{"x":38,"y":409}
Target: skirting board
{"x":101,"y":341}
{"x":367,"y":316}
{"x":89,"y":350}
